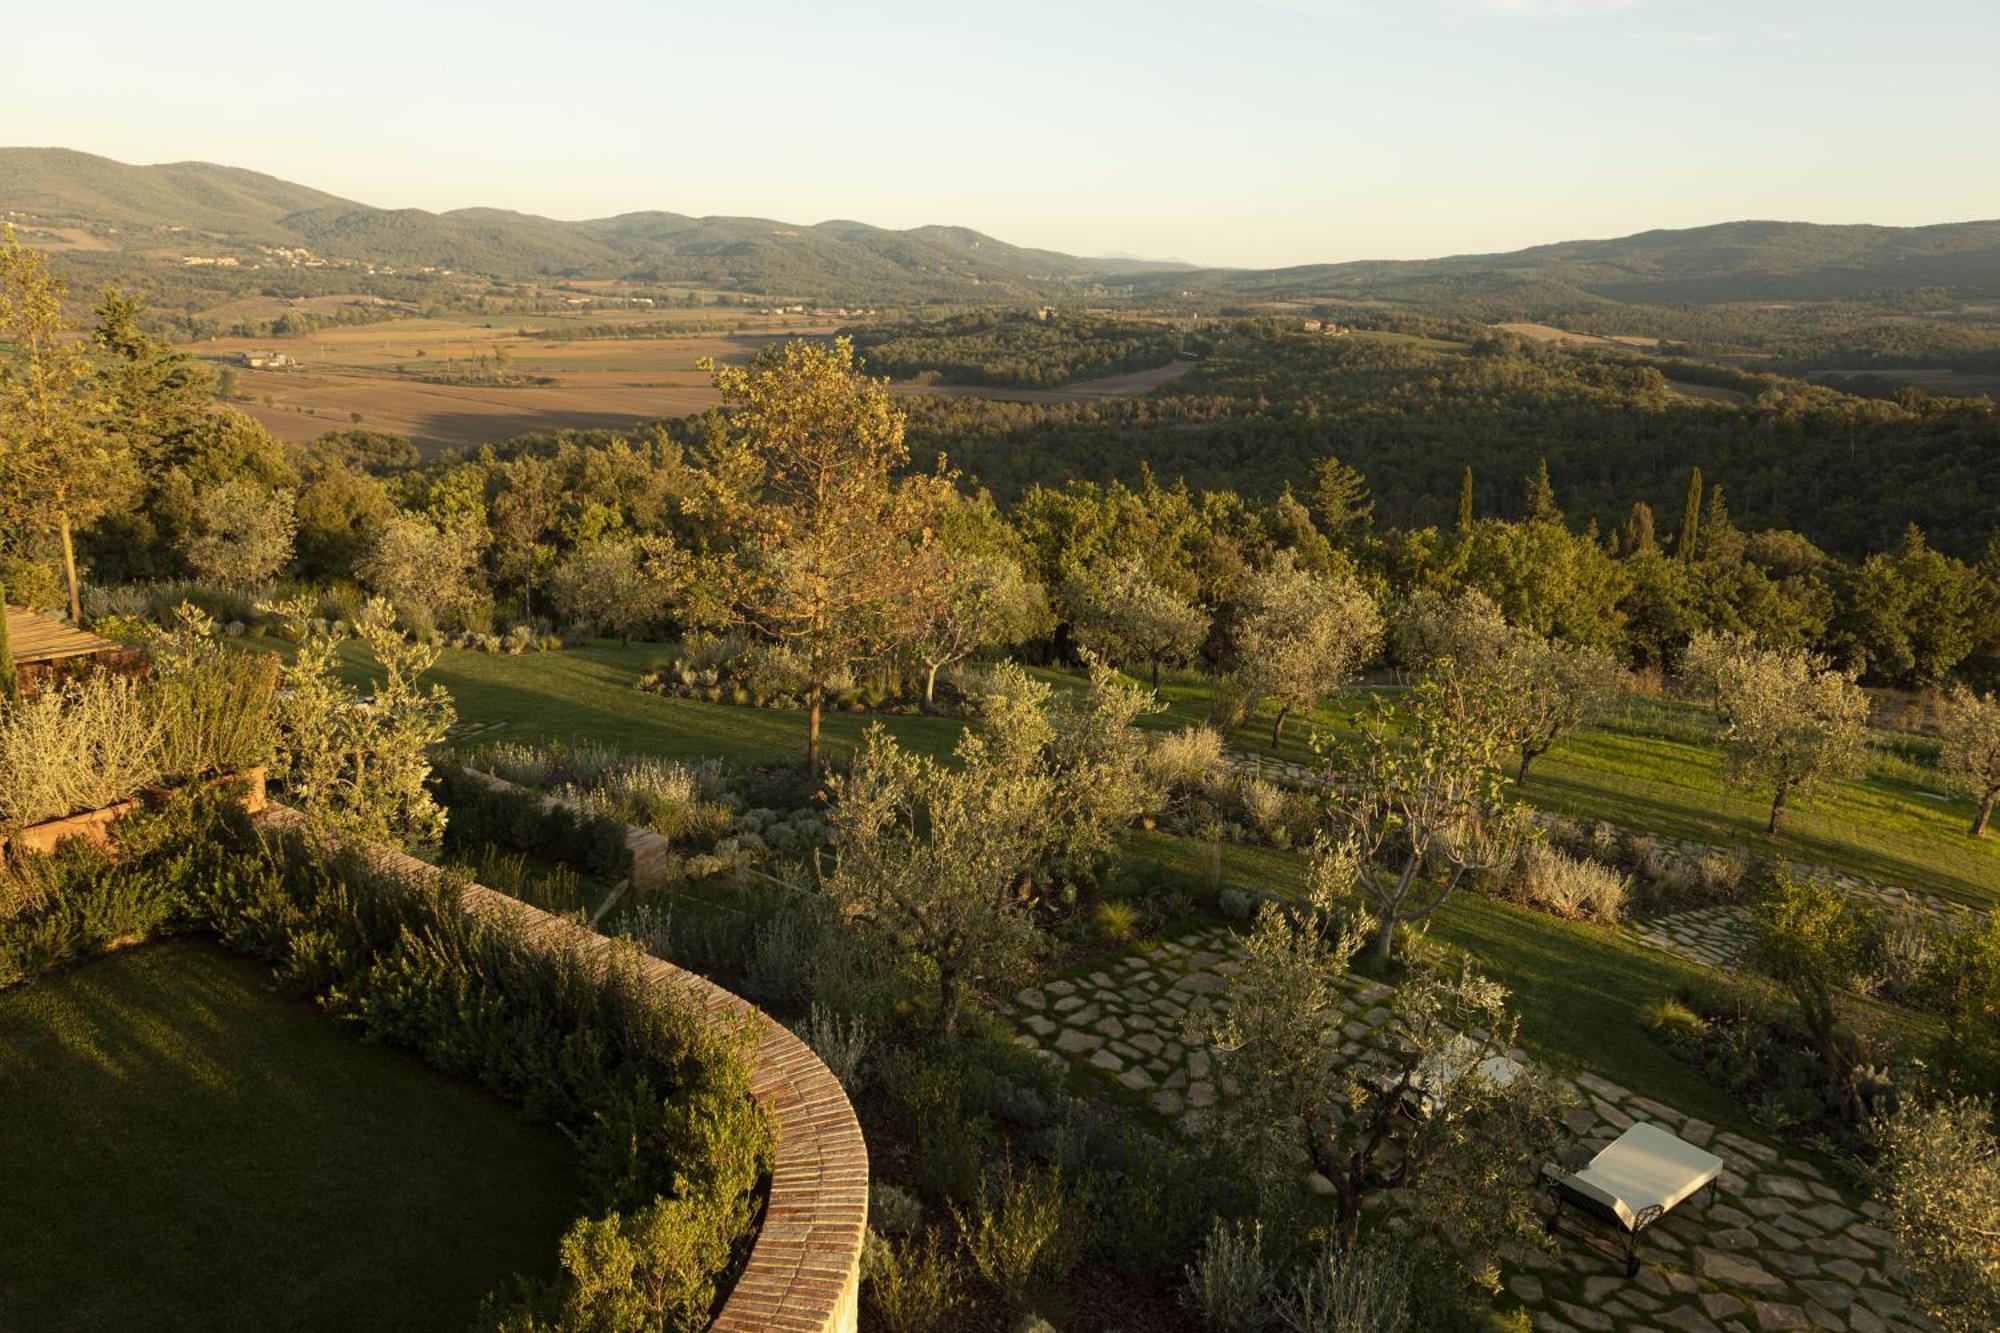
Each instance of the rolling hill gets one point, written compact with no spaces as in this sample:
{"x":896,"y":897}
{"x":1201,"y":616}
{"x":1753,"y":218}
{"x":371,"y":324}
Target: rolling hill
{"x":155,"y":208}
{"x":159,"y":207}
{"x":1731,"y":261}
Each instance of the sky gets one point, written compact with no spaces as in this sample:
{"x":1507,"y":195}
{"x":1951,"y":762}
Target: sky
{"x":1236,"y":132}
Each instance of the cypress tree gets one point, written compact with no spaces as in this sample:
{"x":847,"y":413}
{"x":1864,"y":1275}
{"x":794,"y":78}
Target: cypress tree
{"x":1465,"y":501}
{"x":10,"y":686}
{"x":1690,"y":531}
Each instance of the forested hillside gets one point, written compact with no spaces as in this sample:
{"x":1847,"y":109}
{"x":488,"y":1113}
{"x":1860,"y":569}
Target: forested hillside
{"x":1414,"y":414}
{"x":1018,"y":349}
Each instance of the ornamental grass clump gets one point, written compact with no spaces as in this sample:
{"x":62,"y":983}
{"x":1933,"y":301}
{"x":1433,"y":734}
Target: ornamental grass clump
{"x":1569,"y":886}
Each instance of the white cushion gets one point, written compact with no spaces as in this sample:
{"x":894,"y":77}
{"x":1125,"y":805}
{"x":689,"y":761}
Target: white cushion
{"x":1647,"y":1167}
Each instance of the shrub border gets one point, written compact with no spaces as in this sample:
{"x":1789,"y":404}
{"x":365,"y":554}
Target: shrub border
{"x":804,"y":1270}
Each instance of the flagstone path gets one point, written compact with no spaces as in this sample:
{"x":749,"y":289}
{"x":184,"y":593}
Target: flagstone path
{"x":1781,"y":1249}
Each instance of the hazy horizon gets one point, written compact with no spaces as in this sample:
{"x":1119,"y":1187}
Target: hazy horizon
{"x":1280,"y":133}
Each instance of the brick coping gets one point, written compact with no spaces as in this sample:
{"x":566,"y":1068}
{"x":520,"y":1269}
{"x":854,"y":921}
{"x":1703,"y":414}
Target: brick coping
{"x":804,"y":1271}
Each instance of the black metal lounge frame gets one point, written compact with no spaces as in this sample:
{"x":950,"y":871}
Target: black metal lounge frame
{"x":1562,"y":1192}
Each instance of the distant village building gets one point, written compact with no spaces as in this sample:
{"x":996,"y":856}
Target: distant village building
{"x":269,"y":361}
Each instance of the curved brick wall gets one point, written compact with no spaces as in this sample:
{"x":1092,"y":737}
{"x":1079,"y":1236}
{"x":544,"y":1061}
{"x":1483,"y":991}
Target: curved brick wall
{"x":804,"y":1273}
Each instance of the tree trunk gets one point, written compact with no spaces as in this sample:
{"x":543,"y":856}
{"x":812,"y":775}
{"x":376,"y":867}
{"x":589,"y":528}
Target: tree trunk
{"x":1777,"y":814}
{"x":930,"y":685}
{"x":1156,"y":673}
{"x":812,"y":730}
{"x":69,"y":572}
{"x":1385,"y":937}
{"x":1278,"y":726}
{"x":1985,"y":811}
{"x":1521,"y":776}
{"x":947,"y":1003}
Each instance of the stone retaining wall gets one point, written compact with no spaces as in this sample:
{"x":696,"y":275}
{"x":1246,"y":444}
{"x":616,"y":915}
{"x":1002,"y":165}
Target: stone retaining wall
{"x":649,"y":855}
{"x":804,"y":1271}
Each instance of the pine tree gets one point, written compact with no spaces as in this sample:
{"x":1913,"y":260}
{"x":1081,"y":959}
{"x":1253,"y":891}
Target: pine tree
{"x":1465,"y":501}
{"x":1340,"y":494}
{"x":1690,"y":533}
{"x":58,"y":470}
{"x":1542,"y":507}
{"x":1719,"y":538}
{"x":1636,"y":537}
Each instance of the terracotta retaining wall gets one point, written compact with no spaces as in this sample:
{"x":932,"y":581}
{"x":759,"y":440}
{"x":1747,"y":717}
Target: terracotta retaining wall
{"x":95,"y":825}
{"x":649,"y":854}
{"x":804,"y":1272}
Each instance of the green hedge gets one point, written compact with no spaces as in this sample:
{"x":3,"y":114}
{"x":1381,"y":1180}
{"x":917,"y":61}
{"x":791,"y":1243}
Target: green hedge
{"x":527,"y":821}
{"x":672,"y":1147}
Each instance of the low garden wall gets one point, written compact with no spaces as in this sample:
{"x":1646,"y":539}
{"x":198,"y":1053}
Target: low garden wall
{"x":804,"y":1270}
{"x":95,"y":825}
{"x":646,"y":857}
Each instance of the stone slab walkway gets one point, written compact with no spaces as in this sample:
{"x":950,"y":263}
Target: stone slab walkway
{"x":1719,"y":936}
{"x":1781,"y":1249}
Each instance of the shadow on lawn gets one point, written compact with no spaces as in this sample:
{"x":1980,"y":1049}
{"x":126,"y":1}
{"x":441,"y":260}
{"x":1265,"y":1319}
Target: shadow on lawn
{"x":209,"y":1155}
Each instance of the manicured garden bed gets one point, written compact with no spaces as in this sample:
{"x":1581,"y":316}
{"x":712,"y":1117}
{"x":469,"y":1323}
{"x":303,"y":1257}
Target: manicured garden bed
{"x":191,"y":1148}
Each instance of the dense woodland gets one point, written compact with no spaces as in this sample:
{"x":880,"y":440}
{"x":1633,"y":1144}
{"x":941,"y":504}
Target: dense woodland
{"x":1019,"y":350}
{"x":1583,"y":493}
{"x":1413,"y":414}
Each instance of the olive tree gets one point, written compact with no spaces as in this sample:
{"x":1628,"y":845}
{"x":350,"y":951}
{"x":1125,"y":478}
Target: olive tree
{"x":426,"y":570}
{"x":1941,"y":1180}
{"x":932,"y":857}
{"x":1300,"y":636}
{"x":1465,"y":626}
{"x":962,"y":603}
{"x":1420,"y":803}
{"x":244,"y":534}
{"x":1120,"y":614}
{"x":58,"y":468}
{"x":1789,"y":720}
{"x":605,"y":586}
{"x":360,"y":765}
{"x":1466,"y":1161}
{"x":1552,"y":689}
{"x":1969,"y":725}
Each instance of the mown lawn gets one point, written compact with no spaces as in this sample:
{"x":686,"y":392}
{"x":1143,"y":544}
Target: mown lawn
{"x":1653,"y":765}
{"x":587,"y":693}
{"x":1578,"y":989}
{"x":184,"y":1148}
{"x":1650,"y":766}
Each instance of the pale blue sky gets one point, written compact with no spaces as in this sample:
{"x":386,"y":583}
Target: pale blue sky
{"x":1280,"y":132}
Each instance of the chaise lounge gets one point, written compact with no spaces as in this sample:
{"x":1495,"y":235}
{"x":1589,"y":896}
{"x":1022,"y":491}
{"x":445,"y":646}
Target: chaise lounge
{"x":1633,"y":1183}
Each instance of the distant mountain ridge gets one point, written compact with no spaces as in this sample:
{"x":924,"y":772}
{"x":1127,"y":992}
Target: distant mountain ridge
{"x":1729,"y":261}
{"x":161,"y":209}
{"x":835,"y":259}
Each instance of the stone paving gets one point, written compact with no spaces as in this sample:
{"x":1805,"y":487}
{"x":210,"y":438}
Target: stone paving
{"x":1781,"y":1248}
{"x":1127,"y":1021}
{"x":1718,"y":935}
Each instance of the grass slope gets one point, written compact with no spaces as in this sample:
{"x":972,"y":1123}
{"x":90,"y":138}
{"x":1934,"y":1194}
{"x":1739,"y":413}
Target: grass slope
{"x":186,"y":1150}
{"x":588,"y":693}
{"x":1653,"y":765}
